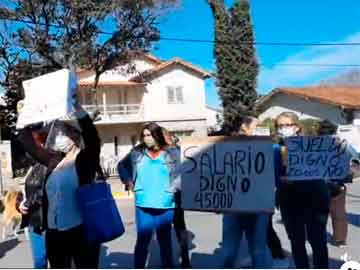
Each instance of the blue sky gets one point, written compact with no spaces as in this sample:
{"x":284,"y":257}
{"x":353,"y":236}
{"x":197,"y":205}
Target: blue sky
{"x":309,"y":21}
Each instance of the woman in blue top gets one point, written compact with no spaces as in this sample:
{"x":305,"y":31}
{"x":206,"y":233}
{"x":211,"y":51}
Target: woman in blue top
{"x":150,"y":171}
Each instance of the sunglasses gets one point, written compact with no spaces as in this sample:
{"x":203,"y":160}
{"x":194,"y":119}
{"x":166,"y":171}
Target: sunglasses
{"x":286,"y":125}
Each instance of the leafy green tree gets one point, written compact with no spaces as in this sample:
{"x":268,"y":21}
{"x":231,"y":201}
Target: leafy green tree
{"x":237,"y":67}
{"x":41,"y":36}
{"x":47,"y":35}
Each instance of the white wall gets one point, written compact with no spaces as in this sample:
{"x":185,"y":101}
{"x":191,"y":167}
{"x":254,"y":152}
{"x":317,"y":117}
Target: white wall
{"x":5,"y":160}
{"x":155,"y":100}
{"x":305,"y":109}
{"x":356,"y":115}
{"x":351,"y":134}
{"x":123,"y":132}
{"x":196,"y":128}
{"x":211,"y":119}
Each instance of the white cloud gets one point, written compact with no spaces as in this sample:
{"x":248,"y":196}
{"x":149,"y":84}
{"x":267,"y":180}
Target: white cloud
{"x":279,"y":75}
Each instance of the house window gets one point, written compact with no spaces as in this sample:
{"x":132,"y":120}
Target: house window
{"x":182,"y":133}
{"x":175,"y":94}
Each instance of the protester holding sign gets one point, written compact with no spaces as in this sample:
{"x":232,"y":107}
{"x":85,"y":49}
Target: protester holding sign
{"x":68,"y":167}
{"x":150,"y":170}
{"x":253,"y":224}
{"x":304,"y":206}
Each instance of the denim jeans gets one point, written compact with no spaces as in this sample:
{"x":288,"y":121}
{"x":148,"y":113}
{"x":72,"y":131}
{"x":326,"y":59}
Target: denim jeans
{"x":304,"y":210}
{"x":148,"y":220}
{"x":38,"y":250}
{"x":255,"y":228}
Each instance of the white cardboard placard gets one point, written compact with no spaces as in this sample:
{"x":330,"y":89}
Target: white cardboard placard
{"x":47,"y":97}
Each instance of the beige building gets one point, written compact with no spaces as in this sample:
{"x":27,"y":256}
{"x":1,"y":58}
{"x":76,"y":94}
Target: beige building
{"x":171,"y":93}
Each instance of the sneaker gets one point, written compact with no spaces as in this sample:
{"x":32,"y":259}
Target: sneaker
{"x":281,"y":263}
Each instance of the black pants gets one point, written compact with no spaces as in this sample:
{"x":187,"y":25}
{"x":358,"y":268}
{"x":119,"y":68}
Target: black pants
{"x":179,"y":217}
{"x":181,"y":232}
{"x":304,"y":209}
{"x":63,"y":247}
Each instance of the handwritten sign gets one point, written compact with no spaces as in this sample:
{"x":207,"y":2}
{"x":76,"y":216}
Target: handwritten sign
{"x":5,"y":160}
{"x":227,"y":174}
{"x":47,"y":97}
{"x":311,"y":158}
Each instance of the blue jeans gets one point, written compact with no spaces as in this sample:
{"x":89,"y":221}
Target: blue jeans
{"x":38,"y":250}
{"x":148,"y":220}
{"x":255,"y":228}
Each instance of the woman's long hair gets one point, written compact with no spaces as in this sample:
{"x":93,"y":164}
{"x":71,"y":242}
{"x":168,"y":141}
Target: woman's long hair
{"x":156,"y":132}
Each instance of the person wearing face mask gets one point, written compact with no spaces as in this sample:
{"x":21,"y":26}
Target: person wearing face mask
{"x":304,"y":205}
{"x":151,"y":171}
{"x":254,"y":225}
{"x":68,"y":166}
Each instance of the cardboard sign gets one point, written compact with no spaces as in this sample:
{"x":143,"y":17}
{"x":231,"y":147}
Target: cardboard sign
{"x":312,"y":158}
{"x":47,"y":97}
{"x":5,"y":160}
{"x":228,"y":174}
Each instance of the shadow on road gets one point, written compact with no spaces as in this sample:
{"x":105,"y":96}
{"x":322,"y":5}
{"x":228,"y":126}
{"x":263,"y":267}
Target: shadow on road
{"x":7,"y":246}
{"x":123,"y":260}
{"x":112,"y":260}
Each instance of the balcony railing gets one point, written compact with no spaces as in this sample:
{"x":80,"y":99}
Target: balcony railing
{"x":118,"y":112}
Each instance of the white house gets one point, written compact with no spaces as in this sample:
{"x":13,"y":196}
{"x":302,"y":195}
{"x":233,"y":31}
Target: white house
{"x":340,"y":105}
{"x":214,"y":115}
{"x":171,"y":93}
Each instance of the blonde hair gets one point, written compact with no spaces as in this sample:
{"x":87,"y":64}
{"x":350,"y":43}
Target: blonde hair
{"x":294,"y":118}
{"x":290,"y":115}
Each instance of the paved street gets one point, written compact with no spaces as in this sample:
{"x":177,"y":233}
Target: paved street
{"x":204,"y":232}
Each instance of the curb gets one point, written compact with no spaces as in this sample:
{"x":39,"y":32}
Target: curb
{"x":122,"y":195}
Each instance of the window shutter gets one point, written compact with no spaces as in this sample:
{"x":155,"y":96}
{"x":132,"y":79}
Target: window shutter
{"x":171,"y":94}
{"x":179,"y":95}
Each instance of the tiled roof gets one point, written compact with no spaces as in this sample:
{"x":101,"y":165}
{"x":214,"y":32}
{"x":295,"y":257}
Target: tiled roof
{"x":83,"y":73}
{"x":176,"y":61}
{"x":346,"y":97}
{"x":110,"y":84}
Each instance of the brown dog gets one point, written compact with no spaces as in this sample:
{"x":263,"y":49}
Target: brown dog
{"x":11,"y":216}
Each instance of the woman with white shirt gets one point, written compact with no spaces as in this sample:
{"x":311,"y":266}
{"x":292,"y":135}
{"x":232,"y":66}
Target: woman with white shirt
{"x":69,"y":166}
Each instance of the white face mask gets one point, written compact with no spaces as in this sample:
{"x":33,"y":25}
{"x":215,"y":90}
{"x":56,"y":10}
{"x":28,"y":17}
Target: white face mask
{"x":287,"y":131}
{"x":149,"y":142}
{"x":63,"y":143}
